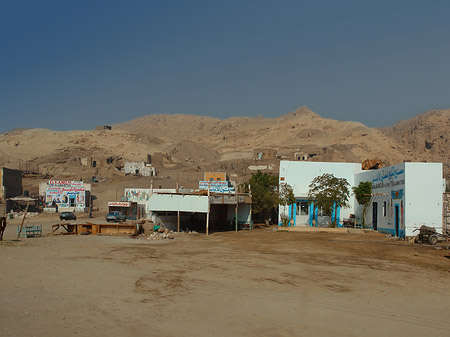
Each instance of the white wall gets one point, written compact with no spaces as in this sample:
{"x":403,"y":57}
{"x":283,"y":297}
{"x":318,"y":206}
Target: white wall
{"x":299,"y":174}
{"x":178,"y":202}
{"x":384,"y":182}
{"x":424,"y":189}
{"x":144,"y":169}
{"x":244,"y":213}
{"x":420,"y":187}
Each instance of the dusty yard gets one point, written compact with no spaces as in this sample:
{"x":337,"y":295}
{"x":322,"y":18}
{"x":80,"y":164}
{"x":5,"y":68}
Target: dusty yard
{"x":258,"y":283}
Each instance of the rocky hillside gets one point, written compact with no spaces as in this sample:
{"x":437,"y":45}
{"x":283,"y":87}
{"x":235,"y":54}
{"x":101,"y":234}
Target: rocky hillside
{"x":301,"y":131}
{"x":424,"y":137}
{"x":193,"y":144}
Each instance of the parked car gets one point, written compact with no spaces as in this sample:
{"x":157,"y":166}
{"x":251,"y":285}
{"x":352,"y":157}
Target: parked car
{"x":67,"y":216}
{"x":115,"y":216}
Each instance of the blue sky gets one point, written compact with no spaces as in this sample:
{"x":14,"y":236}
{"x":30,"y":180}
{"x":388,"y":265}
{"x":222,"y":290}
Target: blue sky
{"x":77,"y":64}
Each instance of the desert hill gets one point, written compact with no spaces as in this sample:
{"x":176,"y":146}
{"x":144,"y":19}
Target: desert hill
{"x":193,"y":144}
{"x":299,"y":131}
{"x":424,"y":137}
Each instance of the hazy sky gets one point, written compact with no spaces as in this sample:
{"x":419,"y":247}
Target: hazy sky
{"x":77,"y":64}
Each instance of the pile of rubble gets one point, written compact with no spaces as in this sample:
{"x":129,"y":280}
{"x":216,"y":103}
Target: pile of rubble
{"x":160,"y":235}
{"x":151,"y":231}
{"x":18,"y":215}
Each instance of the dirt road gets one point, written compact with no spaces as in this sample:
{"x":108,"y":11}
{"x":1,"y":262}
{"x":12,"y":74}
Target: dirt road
{"x":258,"y":283}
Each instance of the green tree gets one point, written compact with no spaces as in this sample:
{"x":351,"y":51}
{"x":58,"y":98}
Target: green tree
{"x":285,"y":198}
{"x":363,"y":193}
{"x":327,"y":191}
{"x":264,"y":194}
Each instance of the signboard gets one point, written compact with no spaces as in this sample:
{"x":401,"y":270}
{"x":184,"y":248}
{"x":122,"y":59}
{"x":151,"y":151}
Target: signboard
{"x":65,"y":193}
{"x":64,"y":183}
{"x":389,"y":177}
{"x":216,"y":186}
{"x":397,"y":194}
{"x":138,"y":194}
{"x":223,"y":199}
{"x":118,"y":204}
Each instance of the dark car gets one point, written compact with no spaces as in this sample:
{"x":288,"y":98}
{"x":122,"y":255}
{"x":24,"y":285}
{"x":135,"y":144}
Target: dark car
{"x":67,"y":216}
{"x":115,"y":216}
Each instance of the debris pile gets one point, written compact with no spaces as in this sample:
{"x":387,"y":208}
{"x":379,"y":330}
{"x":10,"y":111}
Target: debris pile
{"x":160,"y":232}
{"x":18,"y":215}
{"x":160,"y":236}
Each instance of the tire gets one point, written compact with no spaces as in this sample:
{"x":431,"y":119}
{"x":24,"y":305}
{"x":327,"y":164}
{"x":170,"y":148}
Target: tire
{"x":433,"y":239}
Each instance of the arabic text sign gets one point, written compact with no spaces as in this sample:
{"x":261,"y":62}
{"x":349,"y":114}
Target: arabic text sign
{"x":64,"y":183}
{"x":215,"y":186}
{"x":389,"y":177}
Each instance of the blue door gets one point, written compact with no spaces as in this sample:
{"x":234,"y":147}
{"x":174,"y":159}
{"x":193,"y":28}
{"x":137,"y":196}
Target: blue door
{"x":375,"y":215}
{"x":397,"y":219}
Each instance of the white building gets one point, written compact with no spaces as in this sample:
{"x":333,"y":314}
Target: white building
{"x":139,"y":168}
{"x":191,"y":209}
{"x":299,"y":174}
{"x":404,"y":196}
{"x":65,"y":195}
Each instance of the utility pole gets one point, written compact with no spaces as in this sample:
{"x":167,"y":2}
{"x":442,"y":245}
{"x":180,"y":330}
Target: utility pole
{"x":207,"y":214}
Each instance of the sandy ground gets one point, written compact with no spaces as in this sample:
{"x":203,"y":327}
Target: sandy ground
{"x":258,"y":283}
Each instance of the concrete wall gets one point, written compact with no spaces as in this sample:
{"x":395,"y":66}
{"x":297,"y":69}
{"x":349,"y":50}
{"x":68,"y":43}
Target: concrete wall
{"x":215,"y":176}
{"x":139,"y":168}
{"x":11,"y":180}
{"x":446,"y":212}
{"x":424,"y":190}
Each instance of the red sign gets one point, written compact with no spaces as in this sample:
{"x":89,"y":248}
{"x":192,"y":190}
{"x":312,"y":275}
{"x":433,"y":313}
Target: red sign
{"x":118,"y":204}
{"x":64,"y":183}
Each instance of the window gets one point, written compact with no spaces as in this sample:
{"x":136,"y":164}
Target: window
{"x":384,"y":208}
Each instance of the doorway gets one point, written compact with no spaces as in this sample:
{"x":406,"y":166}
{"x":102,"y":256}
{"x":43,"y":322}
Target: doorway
{"x":72,"y":201}
{"x":397,"y":219}
{"x":302,"y":212}
{"x":375,"y":215}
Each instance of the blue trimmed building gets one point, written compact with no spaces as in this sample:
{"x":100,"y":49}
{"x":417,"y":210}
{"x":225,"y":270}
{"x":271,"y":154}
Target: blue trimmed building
{"x":404,"y":196}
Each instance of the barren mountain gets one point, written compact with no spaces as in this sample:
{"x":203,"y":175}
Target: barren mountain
{"x":299,"y":131}
{"x":425,"y":137}
{"x":193,"y":144}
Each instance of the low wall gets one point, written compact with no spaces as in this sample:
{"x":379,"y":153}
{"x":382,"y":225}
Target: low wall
{"x":324,"y":229}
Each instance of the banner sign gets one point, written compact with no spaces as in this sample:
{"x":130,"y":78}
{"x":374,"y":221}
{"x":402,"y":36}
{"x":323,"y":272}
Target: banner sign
{"x":216,"y":186}
{"x":64,"y":183}
{"x":65,"y":194}
{"x":118,"y":204}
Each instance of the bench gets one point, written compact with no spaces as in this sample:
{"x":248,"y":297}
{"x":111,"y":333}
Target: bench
{"x":30,"y":231}
{"x":245,"y":225}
